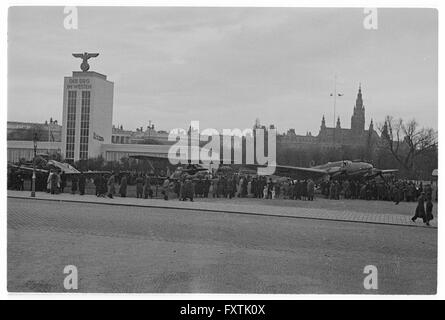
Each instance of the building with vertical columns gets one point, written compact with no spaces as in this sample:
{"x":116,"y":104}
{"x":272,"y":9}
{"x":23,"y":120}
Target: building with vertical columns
{"x":87,"y":115}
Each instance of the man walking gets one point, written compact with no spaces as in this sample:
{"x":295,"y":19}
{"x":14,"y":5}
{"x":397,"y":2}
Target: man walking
{"x":420,"y":209}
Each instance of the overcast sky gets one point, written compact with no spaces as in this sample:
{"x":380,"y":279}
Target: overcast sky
{"x":227,"y":66}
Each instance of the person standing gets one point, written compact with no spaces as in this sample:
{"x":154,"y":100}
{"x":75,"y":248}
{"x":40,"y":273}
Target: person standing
{"x":139,"y":186}
{"x":420,"y":209}
{"x":123,"y":187}
{"x":265,"y":192}
{"x":82,"y":183}
{"x":62,"y":181}
{"x":199,"y":187}
{"x":48,"y":181}
{"x":310,"y":190}
{"x":206,"y":187}
{"x":331,"y":190}
{"x":188,"y":190}
{"x":165,"y":187}
{"x":97,"y":185}
{"x":147,"y":188}
{"x":19,"y":181}
{"x":111,"y":186}
{"x":229,"y":185}
{"x":213,"y":188}
{"x":396,"y":193}
{"x":59,"y":182}
{"x":244,"y":187}
{"x":74,"y":181}
{"x":53,"y":182}
{"x":240,"y":186}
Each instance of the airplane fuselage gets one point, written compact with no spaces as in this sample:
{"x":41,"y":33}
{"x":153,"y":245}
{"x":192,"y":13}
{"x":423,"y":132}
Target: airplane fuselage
{"x":346,"y":169}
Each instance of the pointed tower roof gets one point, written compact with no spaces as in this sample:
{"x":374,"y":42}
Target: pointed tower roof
{"x":338,"y":122}
{"x":323,"y":122}
{"x":371,"y":125}
{"x":359,"y":100}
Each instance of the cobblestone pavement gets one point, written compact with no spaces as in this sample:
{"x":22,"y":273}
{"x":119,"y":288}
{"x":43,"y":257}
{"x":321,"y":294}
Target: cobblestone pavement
{"x":378,"y":212}
{"x":147,"y":249}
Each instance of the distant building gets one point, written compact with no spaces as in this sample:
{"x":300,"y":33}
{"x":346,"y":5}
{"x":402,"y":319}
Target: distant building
{"x":20,"y":139}
{"x":139,"y":136}
{"x":338,"y":136}
{"x":22,"y":131}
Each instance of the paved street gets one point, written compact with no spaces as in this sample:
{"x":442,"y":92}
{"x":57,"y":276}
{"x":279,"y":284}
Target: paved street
{"x":149,"y":249}
{"x":361,"y":211}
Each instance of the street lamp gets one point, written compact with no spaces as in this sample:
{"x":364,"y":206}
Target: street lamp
{"x":33,"y":183}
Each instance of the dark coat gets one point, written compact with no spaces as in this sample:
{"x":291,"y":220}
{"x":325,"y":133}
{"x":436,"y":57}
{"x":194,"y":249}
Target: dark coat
{"x":74,"y":182}
{"x":139,"y":185}
{"x":188,"y":189}
{"x":420,"y":209}
{"x":429,"y":210}
{"x":111,"y":186}
{"x":123,"y":186}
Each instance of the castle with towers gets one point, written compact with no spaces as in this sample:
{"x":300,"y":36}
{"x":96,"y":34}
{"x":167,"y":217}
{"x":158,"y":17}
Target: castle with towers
{"x":357,"y":135}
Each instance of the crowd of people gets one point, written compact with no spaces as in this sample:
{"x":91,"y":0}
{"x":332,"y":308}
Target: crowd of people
{"x":392,"y":190}
{"x":239,"y":185}
{"x":234,"y":185}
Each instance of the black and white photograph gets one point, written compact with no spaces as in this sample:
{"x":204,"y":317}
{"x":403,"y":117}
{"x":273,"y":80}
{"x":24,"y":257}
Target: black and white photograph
{"x":222,"y":150}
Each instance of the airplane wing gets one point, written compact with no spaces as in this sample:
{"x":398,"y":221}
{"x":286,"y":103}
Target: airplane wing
{"x":148,"y":157}
{"x":389,"y":171}
{"x":296,"y":172}
{"x":28,"y":169}
{"x":158,"y":156}
{"x":69,"y":169}
{"x":380,"y":172}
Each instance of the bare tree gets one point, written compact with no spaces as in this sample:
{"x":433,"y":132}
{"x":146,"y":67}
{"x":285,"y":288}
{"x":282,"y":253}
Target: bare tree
{"x":406,"y":141}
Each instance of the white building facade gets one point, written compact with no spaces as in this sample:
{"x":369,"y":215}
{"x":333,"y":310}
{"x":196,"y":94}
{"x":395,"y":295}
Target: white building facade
{"x":87,"y":115}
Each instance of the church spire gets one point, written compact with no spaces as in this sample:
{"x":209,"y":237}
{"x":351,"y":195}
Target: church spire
{"x":359,"y":100}
{"x":323,"y":123}
{"x":358,"y":117}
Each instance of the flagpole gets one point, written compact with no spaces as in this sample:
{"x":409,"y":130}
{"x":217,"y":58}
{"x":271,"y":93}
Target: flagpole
{"x":335,"y":96}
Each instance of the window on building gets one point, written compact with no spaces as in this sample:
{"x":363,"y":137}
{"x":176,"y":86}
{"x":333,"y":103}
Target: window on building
{"x":71,"y":125}
{"x":84,"y":124}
